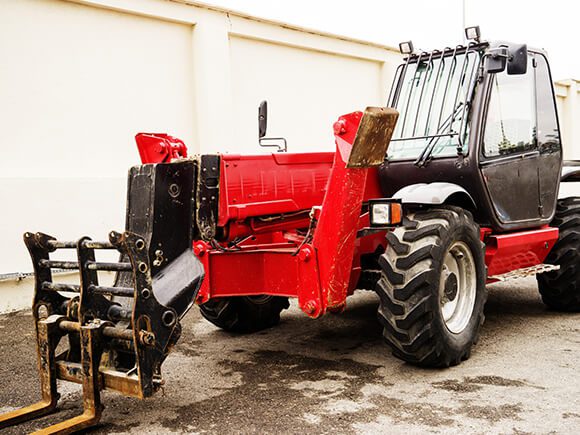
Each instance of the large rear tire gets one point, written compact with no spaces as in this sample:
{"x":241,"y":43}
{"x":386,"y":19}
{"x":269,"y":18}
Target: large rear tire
{"x":245,"y":313}
{"x":432,"y":287}
{"x":560,"y":289}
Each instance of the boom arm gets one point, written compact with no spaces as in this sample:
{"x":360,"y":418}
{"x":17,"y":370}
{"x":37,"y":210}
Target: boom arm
{"x":315,"y":266}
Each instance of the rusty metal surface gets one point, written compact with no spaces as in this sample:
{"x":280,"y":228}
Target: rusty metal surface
{"x":47,"y":335}
{"x":362,"y":142}
{"x":114,"y":346}
{"x":373,"y":137}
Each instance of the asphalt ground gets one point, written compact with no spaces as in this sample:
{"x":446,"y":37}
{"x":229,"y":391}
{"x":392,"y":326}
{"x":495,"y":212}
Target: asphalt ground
{"x":335,"y":375}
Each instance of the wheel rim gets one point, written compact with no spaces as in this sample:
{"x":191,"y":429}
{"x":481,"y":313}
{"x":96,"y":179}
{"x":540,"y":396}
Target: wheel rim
{"x":457,"y":289}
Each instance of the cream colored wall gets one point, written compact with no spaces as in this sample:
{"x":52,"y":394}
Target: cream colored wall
{"x":77,"y":83}
{"x":568,"y":102}
{"x":305,"y":90}
{"x":79,"y":78}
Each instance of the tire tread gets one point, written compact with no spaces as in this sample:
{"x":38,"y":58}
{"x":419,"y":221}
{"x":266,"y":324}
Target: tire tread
{"x":407,"y":300}
{"x":560,"y":289}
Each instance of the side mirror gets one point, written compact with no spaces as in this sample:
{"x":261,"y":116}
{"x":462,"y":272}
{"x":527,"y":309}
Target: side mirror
{"x":262,"y":119}
{"x":518,"y":59}
{"x":514,"y":56}
{"x":278,"y":142}
{"x":496,"y":59}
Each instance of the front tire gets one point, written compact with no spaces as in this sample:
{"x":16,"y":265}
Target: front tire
{"x":560,"y":289}
{"x":244,"y":314}
{"x":432,"y":287}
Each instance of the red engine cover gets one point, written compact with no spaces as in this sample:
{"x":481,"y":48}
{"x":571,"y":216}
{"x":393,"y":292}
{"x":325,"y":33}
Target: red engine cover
{"x":261,"y":185}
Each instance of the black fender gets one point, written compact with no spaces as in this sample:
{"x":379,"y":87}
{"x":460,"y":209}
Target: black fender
{"x":570,"y":170}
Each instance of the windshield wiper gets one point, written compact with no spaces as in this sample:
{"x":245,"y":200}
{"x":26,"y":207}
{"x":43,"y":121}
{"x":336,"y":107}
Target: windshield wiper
{"x":428,"y":150}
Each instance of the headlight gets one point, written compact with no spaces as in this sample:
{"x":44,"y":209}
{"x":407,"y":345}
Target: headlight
{"x":381,"y":214}
{"x":385,"y":212}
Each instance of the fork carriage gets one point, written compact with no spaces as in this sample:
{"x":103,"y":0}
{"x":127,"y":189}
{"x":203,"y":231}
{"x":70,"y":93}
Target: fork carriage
{"x":118,"y":336}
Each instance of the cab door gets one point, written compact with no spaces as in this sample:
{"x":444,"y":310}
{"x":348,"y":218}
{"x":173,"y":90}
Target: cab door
{"x":509,"y":158}
{"x":548,"y":137}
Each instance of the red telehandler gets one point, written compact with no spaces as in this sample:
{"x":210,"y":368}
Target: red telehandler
{"x":453,"y":186}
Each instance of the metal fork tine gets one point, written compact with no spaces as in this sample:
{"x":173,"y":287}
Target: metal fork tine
{"x":90,"y":359}
{"x":48,"y":334}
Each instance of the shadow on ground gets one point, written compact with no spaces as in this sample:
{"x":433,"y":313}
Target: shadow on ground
{"x":336,"y":375}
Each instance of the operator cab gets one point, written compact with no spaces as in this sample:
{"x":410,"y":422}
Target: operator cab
{"x":477,"y":128}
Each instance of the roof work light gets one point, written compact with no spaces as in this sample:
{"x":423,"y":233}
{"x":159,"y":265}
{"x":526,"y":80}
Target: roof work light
{"x":472,"y":33}
{"x":406,"y":47}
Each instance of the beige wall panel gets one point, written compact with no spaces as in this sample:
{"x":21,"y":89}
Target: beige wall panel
{"x":306,"y":91}
{"x":573,"y":123}
{"x":568,"y":102}
{"x":76,"y":84}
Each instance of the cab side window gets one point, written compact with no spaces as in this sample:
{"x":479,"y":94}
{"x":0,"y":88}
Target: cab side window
{"x":511,"y":121}
{"x":548,"y":132}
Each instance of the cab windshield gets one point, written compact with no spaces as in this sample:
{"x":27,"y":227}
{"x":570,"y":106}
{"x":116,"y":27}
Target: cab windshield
{"x":432,"y":96}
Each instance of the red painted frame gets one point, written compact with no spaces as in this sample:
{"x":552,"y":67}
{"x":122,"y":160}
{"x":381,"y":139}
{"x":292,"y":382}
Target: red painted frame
{"x":517,"y":250}
{"x":159,"y":147}
{"x":320,"y":270}
{"x":270,"y":200}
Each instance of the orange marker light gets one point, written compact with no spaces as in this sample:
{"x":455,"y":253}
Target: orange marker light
{"x":396,"y":213}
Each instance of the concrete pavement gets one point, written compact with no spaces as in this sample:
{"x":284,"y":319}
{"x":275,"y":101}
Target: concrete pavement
{"x":335,"y":375}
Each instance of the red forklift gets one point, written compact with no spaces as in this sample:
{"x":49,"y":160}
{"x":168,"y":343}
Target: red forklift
{"x":450,"y":187}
